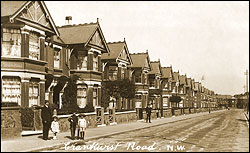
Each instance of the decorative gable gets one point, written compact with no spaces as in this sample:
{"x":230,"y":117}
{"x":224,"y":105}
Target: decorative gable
{"x":147,"y":63}
{"x":34,"y":12}
{"x":123,"y":55}
{"x":97,"y":40}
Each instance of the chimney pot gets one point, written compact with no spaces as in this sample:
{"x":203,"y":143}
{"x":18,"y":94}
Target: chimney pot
{"x":68,"y":20}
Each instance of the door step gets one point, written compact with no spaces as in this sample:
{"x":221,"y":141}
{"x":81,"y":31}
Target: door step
{"x":28,"y":133}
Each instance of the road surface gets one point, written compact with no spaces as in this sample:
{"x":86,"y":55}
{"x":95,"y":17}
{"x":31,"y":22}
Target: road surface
{"x":225,"y":131}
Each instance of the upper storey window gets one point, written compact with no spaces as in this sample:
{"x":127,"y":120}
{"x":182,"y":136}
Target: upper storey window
{"x":95,"y":62}
{"x":138,"y":77}
{"x":34,"y":46}
{"x":57,"y":54}
{"x":11,"y":42}
{"x":82,"y":62}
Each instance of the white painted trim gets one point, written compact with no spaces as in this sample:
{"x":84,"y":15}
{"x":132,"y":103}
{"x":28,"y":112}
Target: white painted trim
{"x":127,"y":112}
{"x":113,"y":123}
{"x":92,"y":82}
{"x":102,"y":125}
{"x":56,"y":46}
{"x":95,"y":50}
{"x":29,"y":28}
{"x":22,"y":74}
{"x":24,"y":32}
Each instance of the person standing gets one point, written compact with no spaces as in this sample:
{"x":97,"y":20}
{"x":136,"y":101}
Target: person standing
{"x":82,"y":124}
{"x":46,"y":119}
{"x":55,"y":126}
{"x":148,"y":111}
{"x":73,"y":120}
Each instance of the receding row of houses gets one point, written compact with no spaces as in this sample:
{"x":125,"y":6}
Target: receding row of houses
{"x":37,"y":57}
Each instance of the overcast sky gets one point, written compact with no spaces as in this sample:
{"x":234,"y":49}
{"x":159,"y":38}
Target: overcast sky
{"x":196,"y":38}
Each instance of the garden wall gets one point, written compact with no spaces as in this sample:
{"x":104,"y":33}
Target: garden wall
{"x":10,"y":122}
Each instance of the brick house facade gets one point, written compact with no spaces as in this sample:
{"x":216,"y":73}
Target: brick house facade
{"x":115,"y":65}
{"x":86,"y":43}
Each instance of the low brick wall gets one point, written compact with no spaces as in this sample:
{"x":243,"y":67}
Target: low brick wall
{"x":64,"y":124}
{"x":192,"y":110}
{"x":167,"y":113}
{"x":120,"y":117}
{"x":11,"y":126}
{"x":177,"y":112}
{"x":125,"y":117}
{"x":204,"y":109}
{"x":197,"y":110}
{"x":186,"y":111}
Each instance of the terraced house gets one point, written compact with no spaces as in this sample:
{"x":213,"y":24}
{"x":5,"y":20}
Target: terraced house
{"x":115,"y":65}
{"x":189,"y":92}
{"x":166,"y":86}
{"x":155,"y":91}
{"x":86,"y":43}
{"x":182,"y":91}
{"x":30,"y":58}
{"x":140,"y":68}
{"x":34,"y":62}
{"x":175,"y":86}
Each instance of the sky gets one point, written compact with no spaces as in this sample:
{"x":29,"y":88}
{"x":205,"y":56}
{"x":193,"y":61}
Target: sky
{"x":198,"y":38}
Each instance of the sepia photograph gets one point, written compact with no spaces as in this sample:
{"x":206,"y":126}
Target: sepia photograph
{"x":124,"y":76}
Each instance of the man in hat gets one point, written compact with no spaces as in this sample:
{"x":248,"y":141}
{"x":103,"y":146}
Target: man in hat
{"x":46,"y":119}
{"x":148,"y":111}
{"x":73,"y":122}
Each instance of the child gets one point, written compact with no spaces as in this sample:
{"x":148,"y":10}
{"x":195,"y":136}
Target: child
{"x":82,"y":124}
{"x":55,"y":126}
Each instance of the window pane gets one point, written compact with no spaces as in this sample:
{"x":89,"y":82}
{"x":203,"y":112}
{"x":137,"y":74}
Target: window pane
{"x":33,"y":93}
{"x":11,"y":45}
{"x":34,"y":46}
{"x":11,"y":90}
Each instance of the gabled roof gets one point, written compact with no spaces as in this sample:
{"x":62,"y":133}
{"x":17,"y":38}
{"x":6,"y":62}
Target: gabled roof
{"x":77,"y":34}
{"x":156,"y":67}
{"x":167,"y":72}
{"x":176,"y":76}
{"x":140,"y":60}
{"x":13,"y":10}
{"x":183,"y":79}
{"x":81,"y":33}
{"x":115,"y":50}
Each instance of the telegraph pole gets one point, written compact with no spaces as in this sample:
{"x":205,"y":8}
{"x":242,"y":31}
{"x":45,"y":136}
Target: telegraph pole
{"x":246,"y":73}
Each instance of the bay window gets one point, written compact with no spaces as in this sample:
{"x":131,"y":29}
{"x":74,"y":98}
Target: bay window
{"x":56,"y":59}
{"x":11,"y":90}
{"x":34,"y":46}
{"x":95,"y":97}
{"x":33,"y":93}
{"x":95,"y":62}
{"x":113,"y":72}
{"x":138,"y":77}
{"x":82,"y":62}
{"x":81,"y":96}
{"x":11,"y":42}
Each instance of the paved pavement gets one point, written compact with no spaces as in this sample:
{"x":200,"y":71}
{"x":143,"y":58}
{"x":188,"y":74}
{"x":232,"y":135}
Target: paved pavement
{"x":224,"y":131}
{"x":36,"y":143}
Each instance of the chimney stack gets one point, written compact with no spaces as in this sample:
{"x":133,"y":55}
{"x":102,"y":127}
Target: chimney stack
{"x":68,"y":20}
